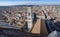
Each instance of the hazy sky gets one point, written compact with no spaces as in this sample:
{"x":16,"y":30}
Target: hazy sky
{"x":28,"y":2}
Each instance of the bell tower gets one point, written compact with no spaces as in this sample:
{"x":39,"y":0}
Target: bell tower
{"x":29,"y":18}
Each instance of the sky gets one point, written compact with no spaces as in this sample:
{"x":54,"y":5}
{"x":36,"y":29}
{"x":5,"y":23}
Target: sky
{"x":29,"y":2}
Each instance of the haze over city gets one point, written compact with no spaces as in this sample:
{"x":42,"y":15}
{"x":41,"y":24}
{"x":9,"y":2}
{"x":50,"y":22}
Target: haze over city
{"x":28,"y":2}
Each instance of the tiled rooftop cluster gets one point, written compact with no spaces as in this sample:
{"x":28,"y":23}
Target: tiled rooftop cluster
{"x":17,"y":15}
